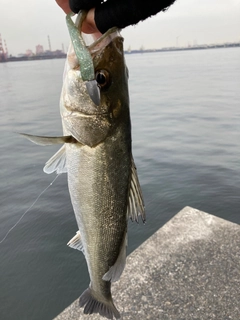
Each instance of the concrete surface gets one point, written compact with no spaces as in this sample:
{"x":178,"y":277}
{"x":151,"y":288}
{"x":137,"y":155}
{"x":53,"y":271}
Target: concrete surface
{"x":189,"y":269}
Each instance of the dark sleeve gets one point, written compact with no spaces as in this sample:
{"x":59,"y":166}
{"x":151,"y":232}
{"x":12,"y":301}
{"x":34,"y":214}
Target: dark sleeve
{"x":77,"y":5}
{"x":123,"y":13}
{"x":120,"y":13}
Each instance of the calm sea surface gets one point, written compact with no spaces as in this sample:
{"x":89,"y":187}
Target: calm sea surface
{"x":185,"y":109}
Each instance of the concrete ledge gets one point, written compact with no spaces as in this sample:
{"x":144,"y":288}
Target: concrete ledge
{"x":189,"y":269}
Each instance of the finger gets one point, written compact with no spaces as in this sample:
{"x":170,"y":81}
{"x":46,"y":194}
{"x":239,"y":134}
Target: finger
{"x":77,"y":5}
{"x":64,"y":4}
{"x":89,"y":25}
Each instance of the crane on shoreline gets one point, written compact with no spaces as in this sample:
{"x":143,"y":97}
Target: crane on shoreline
{"x":3,"y":53}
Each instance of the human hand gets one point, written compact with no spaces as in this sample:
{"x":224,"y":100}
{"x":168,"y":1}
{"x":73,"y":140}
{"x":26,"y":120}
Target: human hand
{"x":103,"y":15}
{"x":88,"y":25}
{"x":64,"y":4}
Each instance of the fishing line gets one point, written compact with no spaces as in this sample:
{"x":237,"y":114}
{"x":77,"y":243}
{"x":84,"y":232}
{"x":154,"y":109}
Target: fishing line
{"x":22,"y":216}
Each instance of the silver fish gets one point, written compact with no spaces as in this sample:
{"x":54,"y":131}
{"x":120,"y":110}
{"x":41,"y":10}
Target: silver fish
{"x":97,"y":157}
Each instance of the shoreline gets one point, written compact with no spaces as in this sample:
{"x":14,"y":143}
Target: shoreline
{"x":63,"y":56}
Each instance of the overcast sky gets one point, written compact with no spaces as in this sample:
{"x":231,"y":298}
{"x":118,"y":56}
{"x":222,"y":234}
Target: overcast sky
{"x":27,"y":23}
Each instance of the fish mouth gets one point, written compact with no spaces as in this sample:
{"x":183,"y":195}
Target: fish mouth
{"x":93,"y":91}
{"x":79,"y":114}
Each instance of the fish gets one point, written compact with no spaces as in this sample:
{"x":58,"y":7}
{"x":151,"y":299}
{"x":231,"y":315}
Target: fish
{"x":97,"y":155}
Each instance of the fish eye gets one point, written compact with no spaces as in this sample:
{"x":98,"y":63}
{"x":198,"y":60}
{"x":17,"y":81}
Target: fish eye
{"x":103,"y":79}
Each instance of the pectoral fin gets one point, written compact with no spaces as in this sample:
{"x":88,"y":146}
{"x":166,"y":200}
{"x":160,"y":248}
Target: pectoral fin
{"x":57,"y":162}
{"x":76,"y":242}
{"x":135,"y":201}
{"x":47,"y":141}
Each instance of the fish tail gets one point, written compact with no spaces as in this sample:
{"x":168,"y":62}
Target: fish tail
{"x":92,"y":305}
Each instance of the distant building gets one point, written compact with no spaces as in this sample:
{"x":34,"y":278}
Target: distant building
{"x":58,"y":52}
{"x":21,"y":55}
{"x":48,"y":53}
{"x":39,"y":49}
{"x":29,"y":53}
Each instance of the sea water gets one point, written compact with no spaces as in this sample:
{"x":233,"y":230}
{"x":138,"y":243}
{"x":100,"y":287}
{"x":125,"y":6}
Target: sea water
{"x":185,"y":114}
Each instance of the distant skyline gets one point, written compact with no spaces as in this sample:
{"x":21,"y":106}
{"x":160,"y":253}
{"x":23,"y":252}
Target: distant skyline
{"x":187,"y":22}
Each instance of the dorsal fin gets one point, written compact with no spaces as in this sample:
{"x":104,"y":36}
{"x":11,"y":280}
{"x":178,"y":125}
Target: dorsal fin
{"x":114,"y":273}
{"x":135,"y":202}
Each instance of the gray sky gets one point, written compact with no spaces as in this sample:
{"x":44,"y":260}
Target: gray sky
{"x":27,"y":23}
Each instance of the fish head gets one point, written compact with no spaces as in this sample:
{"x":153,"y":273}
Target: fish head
{"x":88,"y":122}
{"x":111,"y":74}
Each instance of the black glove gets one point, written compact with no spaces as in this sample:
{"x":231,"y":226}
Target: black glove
{"x":121,"y":13}
{"x":77,"y":5}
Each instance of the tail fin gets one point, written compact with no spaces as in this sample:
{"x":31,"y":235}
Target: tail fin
{"x":92,"y":305}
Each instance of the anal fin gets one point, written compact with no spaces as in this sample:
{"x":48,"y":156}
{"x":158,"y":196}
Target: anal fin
{"x":76,"y":242}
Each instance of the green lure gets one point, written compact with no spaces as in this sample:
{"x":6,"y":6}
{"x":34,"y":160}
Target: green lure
{"x":81,"y":51}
